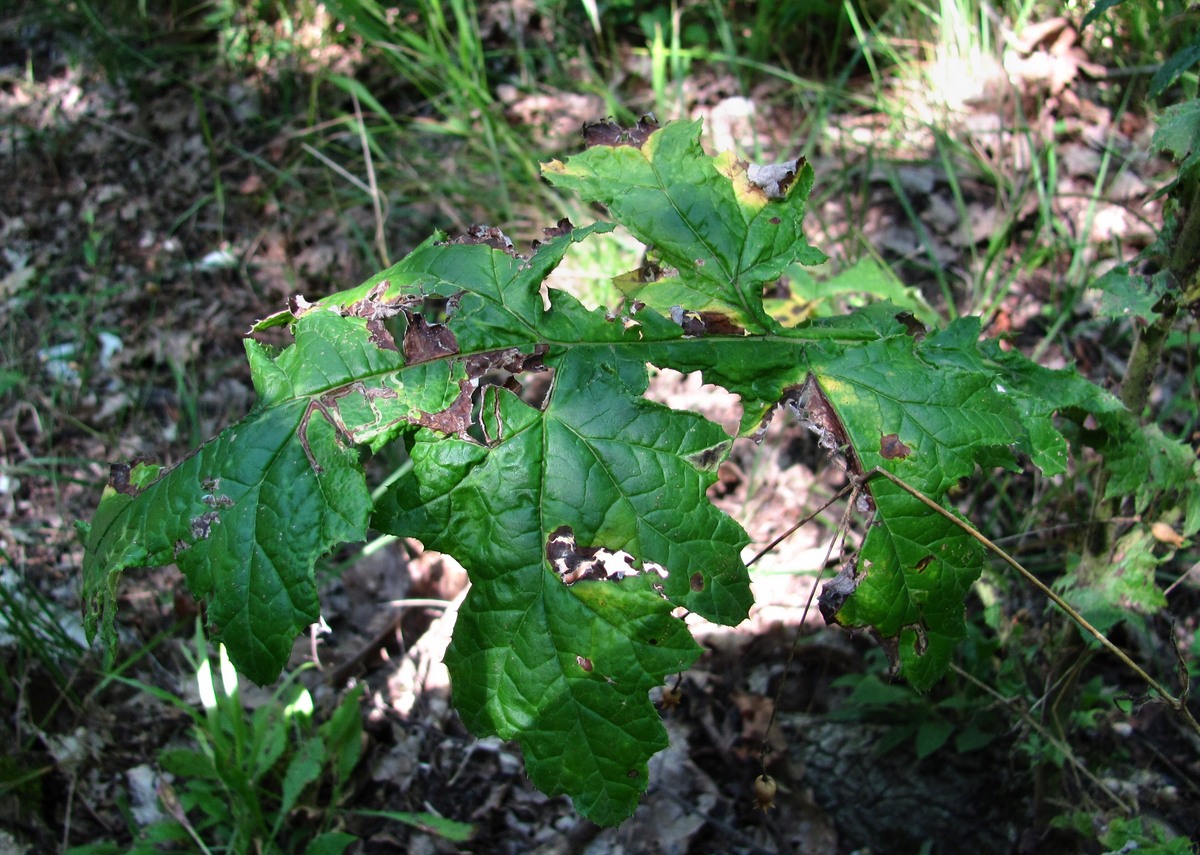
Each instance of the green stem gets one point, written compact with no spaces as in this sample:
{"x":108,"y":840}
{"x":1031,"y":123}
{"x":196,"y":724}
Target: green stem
{"x":1183,"y":289}
{"x":1182,"y":267}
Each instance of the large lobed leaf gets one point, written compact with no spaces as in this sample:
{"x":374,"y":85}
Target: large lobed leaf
{"x":581,"y":512}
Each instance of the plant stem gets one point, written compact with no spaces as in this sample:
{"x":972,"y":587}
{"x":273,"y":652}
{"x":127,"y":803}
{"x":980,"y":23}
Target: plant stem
{"x":1183,"y":289}
{"x":1183,"y":266}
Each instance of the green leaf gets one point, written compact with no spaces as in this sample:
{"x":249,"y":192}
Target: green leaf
{"x":1040,"y":393}
{"x":972,"y":738}
{"x":866,"y":277}
{"x":1097,"y":10}
{"x":1177,"y":133}
{"x":725,"y":227}
{"x":304,"y":768}
{"x":187,"y":763}
{"x":1144,"y":835}
{"x":343,"y":734}
{"x":932,"y":735}
{"x":1123,"y":295}
{"x":458,"y":832}
{"x":1144,"y":463}
{"x":269,"y":738}
{"x":1176,"y":64}
{"x":556,"y":485}
{"x":329,"y":843}
{"x":247,"y":515}
{"x":929,"y":428}
{"x":1128,"y":591}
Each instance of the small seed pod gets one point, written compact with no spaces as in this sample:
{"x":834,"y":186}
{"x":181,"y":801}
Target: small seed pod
{"x":764,"y":792}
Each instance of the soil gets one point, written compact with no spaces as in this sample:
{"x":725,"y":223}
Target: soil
{"x":148,"y":218}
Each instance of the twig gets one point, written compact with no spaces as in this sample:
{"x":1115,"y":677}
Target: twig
{"x":843,"y":526}
{"x":339,"y":169}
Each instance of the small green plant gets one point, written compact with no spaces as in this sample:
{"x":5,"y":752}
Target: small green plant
{"x":580,"y":511}
{"x":1126,"y":835}
{"x":262,"y":777}
{"x":242,"y":783}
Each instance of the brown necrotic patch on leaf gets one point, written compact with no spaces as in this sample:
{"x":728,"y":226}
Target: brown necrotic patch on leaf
{"x":378,"y":334}
{"x":118,"y":478}
{"x":297,"y":305}
{"x":494,"y":368}
{"x":716,"y":323}
{"x":891,"y":448}
{"x":456,"y":418}
{"x":217,"y":500}
{"x":709,"y":459}
{"x":912,"y":326}
{"x":609,"y":133}
{"x":774,"y":179}
{"x":696,"y":324}
{"x":837,"y":590}
{"x":573,"y":563}
{"x":564,"y":227}
{"x":503,"y":364}
{"x":133,"y":477}
{"x":920,"y":638}
{"x":814,"y":411}
{"x":652,"y":270}
{"x":487,"y":235}
{"x":202,"y":525}
{"x":890,"y":645}
{"x":376,"y":307}
{"x":425,"y":342}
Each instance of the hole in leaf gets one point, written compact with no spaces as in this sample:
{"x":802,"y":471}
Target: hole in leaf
{"x":533,"y":387}
{"x":689,"y":392}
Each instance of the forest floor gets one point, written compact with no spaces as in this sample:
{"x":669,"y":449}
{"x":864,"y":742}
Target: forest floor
{"x":132,"y":264}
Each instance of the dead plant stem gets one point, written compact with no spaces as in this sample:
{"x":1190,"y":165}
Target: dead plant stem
{"x":376,"y":201}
